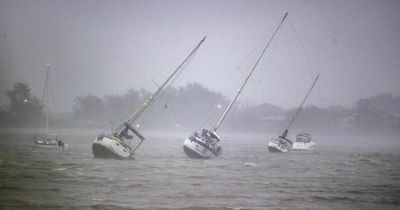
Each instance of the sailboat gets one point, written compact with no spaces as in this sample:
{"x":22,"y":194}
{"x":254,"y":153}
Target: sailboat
{"x":115,"y":145}
{"x":204,"y":144}
{"x":48,"y":139}
{"x":282,"y":143}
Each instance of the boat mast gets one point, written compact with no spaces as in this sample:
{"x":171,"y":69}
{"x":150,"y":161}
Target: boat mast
{"x":284,"y":134}
{"x":143,"y":107}
{"x":46,"y":96}
{"x":248,"y":76}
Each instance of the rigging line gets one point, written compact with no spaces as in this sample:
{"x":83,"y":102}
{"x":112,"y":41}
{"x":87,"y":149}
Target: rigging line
{"x":235,"y":71}
{"x":170,"y":64}
{"x":150,"y":100}
{"x":307,"y":58}
{"x":211,"y":110}
{"x":178,"y":76}
{"x":177,"y":114}
{"x":167,"y":68}
{"x":173,"y":80}
{"x":139,"y":113}
{"x":52,"y":94}
{"x":304,"y":49}
{"x":162,"y":96}
{"x":149,"y":118}
{"x":258,"y":45}
{"x":45,"y":87}
{"x":300,"y":107}
{"x":251,"y":53}
{"x":266,"y":63}
{"x":51,"y":98}
{"x":249,"y":75}
{"x":45,"y":98}
{"x":133,"y":107}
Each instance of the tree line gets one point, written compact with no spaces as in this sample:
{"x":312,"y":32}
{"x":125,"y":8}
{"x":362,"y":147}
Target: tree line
{"x":194,"y":106}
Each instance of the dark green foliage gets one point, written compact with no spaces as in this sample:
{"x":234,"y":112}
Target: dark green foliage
{"x":89,"y":107}
{"x":187,"y":105}
{"x":194,"y":107}
{"x":24,"y":109}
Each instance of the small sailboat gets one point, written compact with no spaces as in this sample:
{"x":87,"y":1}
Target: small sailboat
{"x":115,"y":145}
{"x":304,"y":141}
{"x":282,"y":143}
{"x":48,"y":139}
{"x":204,"y":144}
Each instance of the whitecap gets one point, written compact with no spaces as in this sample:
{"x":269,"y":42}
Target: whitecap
{"x":250,"y":164}
{"x":60,"y":169}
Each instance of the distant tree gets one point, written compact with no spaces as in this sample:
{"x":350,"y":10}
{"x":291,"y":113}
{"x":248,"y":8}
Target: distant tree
{"x":367,"y":116}
{"x":190,"y":106}
{"x":119,"y":107}
{"x":198,"y":106}
{"x":24,"y":108}
{"x":89,"y":107}
{"x":114,"y":106}
{"x":132,"y":98}
{"x":4,"y":117}
{"x":385,"y":102}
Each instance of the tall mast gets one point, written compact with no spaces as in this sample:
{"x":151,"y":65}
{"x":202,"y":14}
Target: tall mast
{"x":248,"y":76}
{"x":143,"y":107}
{"x":284,"y":134}
{"x":46,"y":96}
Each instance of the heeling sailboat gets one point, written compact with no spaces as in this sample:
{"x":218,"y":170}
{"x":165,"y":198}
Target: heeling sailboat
{"x":49,"y":139}
{"x":205,"y":145}
{"x":114,"y":146}
{"x":282,"y":143}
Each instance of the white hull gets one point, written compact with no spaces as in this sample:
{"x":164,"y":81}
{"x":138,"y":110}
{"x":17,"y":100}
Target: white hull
{"x":110,"y":147}
{"x":197,"y":149}
{"x":49,"y":140}
{"x":46,"y":142}
{"x":303,"y":145}
{"x":279,"y":145}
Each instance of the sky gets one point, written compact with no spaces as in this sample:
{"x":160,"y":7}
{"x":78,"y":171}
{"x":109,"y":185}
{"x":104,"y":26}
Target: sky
{"x":107,"y":47}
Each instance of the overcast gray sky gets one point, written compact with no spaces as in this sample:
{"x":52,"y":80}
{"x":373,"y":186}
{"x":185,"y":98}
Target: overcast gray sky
{"x":107,"y":47}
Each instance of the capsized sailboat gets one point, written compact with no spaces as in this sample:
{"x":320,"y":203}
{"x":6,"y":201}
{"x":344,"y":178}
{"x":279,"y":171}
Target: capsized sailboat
{"x":48,"y":139}
{"x":115,"y":145}
{"x":204,"y":144}
{"x":282,"y":143}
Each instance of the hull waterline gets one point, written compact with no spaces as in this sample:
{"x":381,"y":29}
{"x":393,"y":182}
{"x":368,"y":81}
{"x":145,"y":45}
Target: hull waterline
{"x":45,"y":143}
{"x":197,"y":150}
{"x":301,"y":146}
{"x":275,"y":146}
{"x":107,"y":147}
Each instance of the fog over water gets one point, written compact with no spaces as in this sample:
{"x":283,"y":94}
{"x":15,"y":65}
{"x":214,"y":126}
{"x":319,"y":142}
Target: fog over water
{"x":108,"y":47}
{"x":107,"y":58}
{"x":332,"y":176}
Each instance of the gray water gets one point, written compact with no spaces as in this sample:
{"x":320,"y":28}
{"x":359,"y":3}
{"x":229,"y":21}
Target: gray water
{"x":339,"y":173}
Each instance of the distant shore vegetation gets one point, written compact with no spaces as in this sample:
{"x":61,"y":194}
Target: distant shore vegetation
{"x":194,"y":106}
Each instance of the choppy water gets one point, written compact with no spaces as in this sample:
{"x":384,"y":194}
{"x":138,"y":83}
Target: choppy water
{"x":332,"y":176}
